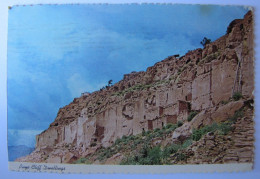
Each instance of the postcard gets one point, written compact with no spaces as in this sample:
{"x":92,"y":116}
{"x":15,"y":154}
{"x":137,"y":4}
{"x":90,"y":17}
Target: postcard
{"x":130,"y":88}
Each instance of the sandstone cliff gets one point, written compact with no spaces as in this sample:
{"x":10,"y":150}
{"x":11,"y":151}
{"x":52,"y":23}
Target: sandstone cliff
{"x":202,"y":81}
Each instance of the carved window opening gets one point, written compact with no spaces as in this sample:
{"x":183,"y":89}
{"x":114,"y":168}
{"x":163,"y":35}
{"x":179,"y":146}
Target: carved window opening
{"x":160,"y":111}
{"x":99,"y":131}
{"x":150,"y":125}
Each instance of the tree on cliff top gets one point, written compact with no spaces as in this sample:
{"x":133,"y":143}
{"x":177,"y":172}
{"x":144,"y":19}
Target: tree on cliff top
{"x":110,"y":82}
{"x":205,"y":41}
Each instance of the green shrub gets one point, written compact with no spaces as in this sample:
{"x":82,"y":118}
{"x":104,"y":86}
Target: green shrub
{"x":237,"y":96}
{"x":224,"y":128}
{"x":131,"y":137}
{"x":82,"y":161}
{"x":224,"y":102}
{"x":179,"y":123}
{"x":93,"y":144}
{"x":156,"y":130}
{"x":124,"y":137}
{"x":170,"y":150}
{"x":137,"y":141}
{"x":198,"y":133}
{"x":237,"y":114}
{"x":159,"y":133}
{"x":118,"y":148}
{"x":168,"y":131}
{"x":146,"y":156}
{"x":143,"y":133}
{"x":192,"y":115}
{"x":180,"y":157}
{"x":130,"y":160}
{"x":168,"y":126}
{"x":186,"y":143}
{"x":154,"y":156}
{"x":118,"y":141}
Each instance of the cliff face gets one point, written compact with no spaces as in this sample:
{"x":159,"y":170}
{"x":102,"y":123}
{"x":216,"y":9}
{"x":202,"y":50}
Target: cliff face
{"x":202,"y":80}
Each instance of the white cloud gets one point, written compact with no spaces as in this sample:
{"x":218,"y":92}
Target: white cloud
{"x":78,"y":84}
{"x":22,"y":137}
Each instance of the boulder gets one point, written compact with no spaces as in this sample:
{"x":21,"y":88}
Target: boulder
{"x":68,"y":158}
{"x":182,"y":133}
{"x":226,"y":111}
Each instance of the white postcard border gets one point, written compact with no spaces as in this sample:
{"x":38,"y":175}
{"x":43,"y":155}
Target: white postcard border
{"x":134,"y":169}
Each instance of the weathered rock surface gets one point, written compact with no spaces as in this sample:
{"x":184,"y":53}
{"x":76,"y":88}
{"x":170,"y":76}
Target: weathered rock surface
{"x":165,"y":93}
{"x":233,"y":148}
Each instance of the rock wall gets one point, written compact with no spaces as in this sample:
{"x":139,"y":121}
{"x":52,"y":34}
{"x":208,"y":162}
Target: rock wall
{"x":164,"y":93}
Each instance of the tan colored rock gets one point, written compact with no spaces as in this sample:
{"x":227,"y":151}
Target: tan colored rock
{"x":226,"y":111}
{"x":182,"y":133}
{"x":201,"y":88}
{"x":115,"y":159}
{"x":200,"y":119}
{"x":68,"y":158}
{"x":223,"y":76}
{"x":56,"y":159}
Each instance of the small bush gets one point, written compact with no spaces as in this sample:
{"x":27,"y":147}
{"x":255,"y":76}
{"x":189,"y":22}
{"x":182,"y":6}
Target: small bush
{"x":118,"y":141}
{"x":151,"y":136}
{"x":93,"y":144}
{"x":224,"y":102}
{"x":171,"y":149}
{"x":192,"y":115}
{"x":224,"y":128}
{"x":119,"y":148}
{"x":137,"y":141}
{"x":156,"y":129}
{"x":179,"y":123}
{"x":237,"y":96}
{"x":168,"y":126}
{"x":124,"y":139}
{"x":143,"y":133}
{"x":186,"y":143}
{"x":146,"y":156}
{"x":82,"y":161}
{"x":168,"y":131}
{"x":180,"y":157}
{"x":197,"y":134}
{"x":132,"y":137}
{"x":237,"y":114}
{"x":159,"y":133}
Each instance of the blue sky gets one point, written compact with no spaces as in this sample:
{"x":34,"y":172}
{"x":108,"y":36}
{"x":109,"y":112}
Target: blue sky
{"x":56,"y":52}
